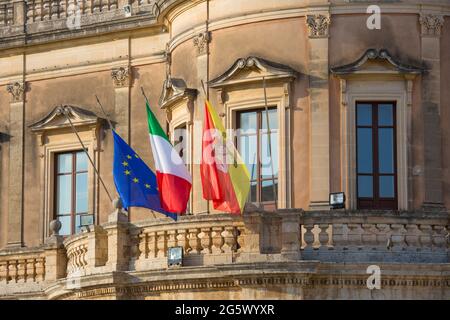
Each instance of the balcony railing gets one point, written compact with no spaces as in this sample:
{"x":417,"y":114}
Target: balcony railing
{"x":220,"y":239}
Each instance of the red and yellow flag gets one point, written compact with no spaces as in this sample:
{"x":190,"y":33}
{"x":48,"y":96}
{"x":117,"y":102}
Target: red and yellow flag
{"x":225,"y":178}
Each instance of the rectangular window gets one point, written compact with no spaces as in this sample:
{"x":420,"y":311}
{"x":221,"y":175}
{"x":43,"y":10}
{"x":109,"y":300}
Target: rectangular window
{"x":71,"y":192}
{"x":253,"y":146}
{"x":376,"y":155}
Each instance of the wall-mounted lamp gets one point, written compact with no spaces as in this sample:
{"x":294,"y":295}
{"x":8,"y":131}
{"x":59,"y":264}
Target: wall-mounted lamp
{"x":337,"y":200}
{"x":175,"y":256}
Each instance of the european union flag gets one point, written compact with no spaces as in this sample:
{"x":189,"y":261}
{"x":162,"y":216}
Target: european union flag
{"x":135,"y":182}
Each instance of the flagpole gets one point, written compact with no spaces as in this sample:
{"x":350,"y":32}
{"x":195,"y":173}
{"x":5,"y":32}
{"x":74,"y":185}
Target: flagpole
{"x":104,"y":113}
{"x":87,"y":154}
{"x":206,"y":96}
{"x":270,"y":144}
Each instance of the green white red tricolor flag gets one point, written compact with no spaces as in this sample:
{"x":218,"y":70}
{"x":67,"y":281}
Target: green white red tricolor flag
{"x":174,"y":180}
{"x":225,"y":178}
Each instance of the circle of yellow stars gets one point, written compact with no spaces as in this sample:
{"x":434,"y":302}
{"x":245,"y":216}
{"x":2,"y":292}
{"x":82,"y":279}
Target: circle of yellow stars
{"x":128,"y":172}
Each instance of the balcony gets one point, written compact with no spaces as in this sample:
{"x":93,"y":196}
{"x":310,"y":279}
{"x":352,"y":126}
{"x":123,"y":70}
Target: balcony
{"x":257,"y":244}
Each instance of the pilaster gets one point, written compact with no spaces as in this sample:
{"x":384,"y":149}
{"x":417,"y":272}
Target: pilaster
{"x":121,"y":77}
{"x":431,"y":25}
{"x":318,"y":32}
{"x":16,"y":166}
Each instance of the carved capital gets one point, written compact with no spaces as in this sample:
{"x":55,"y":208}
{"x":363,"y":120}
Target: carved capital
{"x":121,"y":76}
{"x":318,"y":25}
{"x":201,"y":42}
{"x":431,"y":24}
{"x":16,"y":89}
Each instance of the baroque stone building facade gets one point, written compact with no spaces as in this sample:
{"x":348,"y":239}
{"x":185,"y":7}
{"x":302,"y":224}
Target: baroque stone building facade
{"x":352,"y":109}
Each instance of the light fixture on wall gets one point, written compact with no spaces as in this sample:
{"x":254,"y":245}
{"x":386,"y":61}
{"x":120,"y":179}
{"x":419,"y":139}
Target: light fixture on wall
{"x":127,"y":10}
{"x":337,"y":200}
{"x":175,"y":256}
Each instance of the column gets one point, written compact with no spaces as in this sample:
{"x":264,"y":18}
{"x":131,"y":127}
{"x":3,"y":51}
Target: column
{"x":121,"y":79}
{"x":16,"y":164}
{"x":200,"y":42}
{"x":318,"y":26}
{"x":431,"y":30}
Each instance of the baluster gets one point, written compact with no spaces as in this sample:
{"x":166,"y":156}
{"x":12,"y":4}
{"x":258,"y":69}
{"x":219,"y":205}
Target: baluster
{"x":308,"y":237}
{"x":87,"y":6}
{"x":63,"y":8}
{"x":398,"y":237}
{"x":12,"y":270}
{"x":40,"y":269}
{"x":205,"y":240}
{"x":229,"y":236}
{"x":412,"y":236}
{"x":161,"y":244}
{"x":10,"y":15}
{"x":152,"y":249}
{"x":112,"y":4}
{"x":217,"y":240}
{"x":46,"y":10}
{"x":241,"y":238}
{"x":182,"y":240}
{"x":96,"y":6}
{"x":425,"y":237}
{"x":2,"y":14}
{"x":30,"y":11}
{"x":3,"y":272}
{"x":30,"y":270}
{"x":194,"y":243}
{"x":324,"y":237}
{"x":38,"y":10}
{"x":105,"y":5}
{"x":54,"y":9}
{"x":382,"y":234}
{"x":171,"y":238}
{"x":21,"y":270}
{"x":143,"y":245}
{"x":438,"y":237}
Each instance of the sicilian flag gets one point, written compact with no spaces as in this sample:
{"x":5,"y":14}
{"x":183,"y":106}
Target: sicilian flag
{"x":225,"y":178}
{"x":174,"y":181}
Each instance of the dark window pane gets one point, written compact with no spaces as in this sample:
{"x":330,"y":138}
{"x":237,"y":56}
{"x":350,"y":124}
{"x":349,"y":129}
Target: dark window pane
{"x":365,"y":156}
{"x":266,"y":163}
{"x":82,"y":161}
{"x":65,"y":225}
{"x":247,"y":146}
{"x":364,"y":114}
{"x":385,"y":115}
{"x":273,"y":123}
{"x":64,"y":163}
{"x":64,"y":194}
{"x":387,"y":187}
{"x":267,"y":193}
{"x":82,"y":193}
{"x":365,"y":186}
{"x":386,"y":150}
{"x":248,"y":120}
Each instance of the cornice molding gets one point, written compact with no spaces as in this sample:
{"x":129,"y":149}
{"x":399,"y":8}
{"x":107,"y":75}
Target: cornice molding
{"x":173,"y":91}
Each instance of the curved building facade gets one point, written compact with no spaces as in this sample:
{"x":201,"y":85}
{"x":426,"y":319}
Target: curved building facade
{"x":355,"y":99}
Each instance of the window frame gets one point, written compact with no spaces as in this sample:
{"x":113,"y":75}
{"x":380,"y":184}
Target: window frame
{"x":73,"y":214}
{"x":269,"y":205}
{"x":377,"y":202}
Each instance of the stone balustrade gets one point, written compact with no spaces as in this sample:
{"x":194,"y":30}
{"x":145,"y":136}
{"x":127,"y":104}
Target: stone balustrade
{"x":373,"y":236}
{"x":23,"y":266}
{"x":77,"y":250}
{"x":206,"y":240}
{"x":6,"y":13}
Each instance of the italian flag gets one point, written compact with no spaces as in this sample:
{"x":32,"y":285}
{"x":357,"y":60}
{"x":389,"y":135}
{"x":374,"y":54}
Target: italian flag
{"x":174,"y":181}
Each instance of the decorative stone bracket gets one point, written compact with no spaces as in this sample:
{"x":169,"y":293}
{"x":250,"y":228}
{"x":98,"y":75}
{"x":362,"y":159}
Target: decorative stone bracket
{"x":201,"y":41}
{"x":16,"y":89}
{"x":121,"y":76}
{"x":431,"y":24}
{"x":318,"y":25}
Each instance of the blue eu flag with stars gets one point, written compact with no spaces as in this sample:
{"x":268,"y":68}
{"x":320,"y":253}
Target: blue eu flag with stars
{"x":135,"y":182}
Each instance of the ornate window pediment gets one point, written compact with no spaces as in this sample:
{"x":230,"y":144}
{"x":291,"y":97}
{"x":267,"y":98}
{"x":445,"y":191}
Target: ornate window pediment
{"x":252,"y":69}
{"x":376,"y":62}
{"x":56,"y":119}
{"x":174,"y":91}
